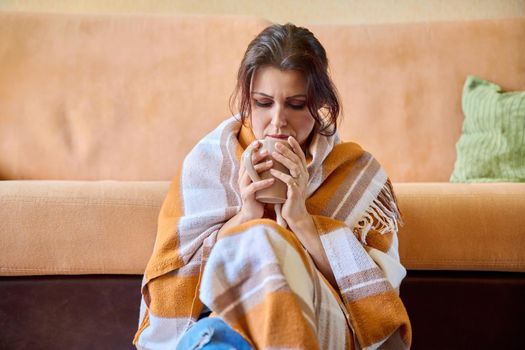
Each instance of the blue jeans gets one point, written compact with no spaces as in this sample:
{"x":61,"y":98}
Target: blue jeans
{"x":212,"y":333}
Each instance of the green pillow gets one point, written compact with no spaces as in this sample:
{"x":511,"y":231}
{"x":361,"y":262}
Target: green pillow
{"x":492,"y":143}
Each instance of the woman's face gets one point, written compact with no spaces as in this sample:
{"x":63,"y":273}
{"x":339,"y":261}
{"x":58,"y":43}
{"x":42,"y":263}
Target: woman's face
{"x":278,"y":101}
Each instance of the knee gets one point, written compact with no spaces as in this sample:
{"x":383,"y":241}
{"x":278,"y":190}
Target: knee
{"x":259,"y":229}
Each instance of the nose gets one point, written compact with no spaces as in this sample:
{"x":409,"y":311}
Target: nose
{"x":278,"y":116}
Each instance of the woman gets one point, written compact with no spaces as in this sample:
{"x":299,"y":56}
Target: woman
{"x":224,"y":274}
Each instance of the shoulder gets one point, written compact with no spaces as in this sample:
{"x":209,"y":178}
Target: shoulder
{"x":346,"y":152}
{"x":350,"y":160}
{"x":211,"y":162}
{"x":216,"y":141}
{"x":351,"y":147}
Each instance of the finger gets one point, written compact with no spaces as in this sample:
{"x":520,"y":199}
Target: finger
{"x":287,"y":179}
{"x":257,"y":153}
{"x":259,"y":185}
{"x":263,"y":166}
{"x":258,"y":156}
{"x":294,"y":166}
{"x":291,"y":154}
{"x":297,"y":149}
{"x":285,"y":151}
{"x":255,"y":145}
{"x":244,"y":179}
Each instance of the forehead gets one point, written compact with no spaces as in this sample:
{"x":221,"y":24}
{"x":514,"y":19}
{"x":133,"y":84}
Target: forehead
{"x":274,"y":81}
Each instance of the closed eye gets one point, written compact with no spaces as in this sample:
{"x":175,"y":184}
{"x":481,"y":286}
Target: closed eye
{"x":297,"y":106}
{"x":262,"y":104}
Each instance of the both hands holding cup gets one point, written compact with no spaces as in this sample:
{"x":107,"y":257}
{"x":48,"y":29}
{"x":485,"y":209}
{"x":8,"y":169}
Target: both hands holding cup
{"x":274,"y":171}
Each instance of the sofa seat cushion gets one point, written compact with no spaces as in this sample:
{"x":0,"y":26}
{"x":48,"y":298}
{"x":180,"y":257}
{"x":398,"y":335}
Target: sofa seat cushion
{"x":109,"y":227}
{"x":77,"y":227}
{"x":462,"y":226}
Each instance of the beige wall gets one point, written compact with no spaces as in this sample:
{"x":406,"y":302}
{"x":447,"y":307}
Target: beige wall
{"x":297,"y":11}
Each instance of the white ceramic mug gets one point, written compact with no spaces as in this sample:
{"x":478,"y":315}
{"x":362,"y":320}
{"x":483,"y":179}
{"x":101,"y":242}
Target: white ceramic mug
{"x":276,"y":193}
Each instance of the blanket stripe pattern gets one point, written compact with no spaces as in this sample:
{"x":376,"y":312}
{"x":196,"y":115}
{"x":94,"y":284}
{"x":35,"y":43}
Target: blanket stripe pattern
{"x":257,"y":276}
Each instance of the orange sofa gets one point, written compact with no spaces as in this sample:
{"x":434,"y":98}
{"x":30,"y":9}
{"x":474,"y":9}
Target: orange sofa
{"x":97,"y":112}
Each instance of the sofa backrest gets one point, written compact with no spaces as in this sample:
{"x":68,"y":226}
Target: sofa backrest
{"x":401,"y":85}
{"x":126,"y":97}
{"x":112,"y":97}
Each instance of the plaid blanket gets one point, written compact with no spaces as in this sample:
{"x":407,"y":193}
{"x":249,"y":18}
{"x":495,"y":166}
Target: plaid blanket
{"x":257,"y":276}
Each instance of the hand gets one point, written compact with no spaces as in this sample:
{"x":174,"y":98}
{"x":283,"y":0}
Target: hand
{"x":251,"y":208}
{"x":294,"y":209}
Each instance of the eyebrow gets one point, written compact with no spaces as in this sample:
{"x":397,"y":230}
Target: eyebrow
{"x":266,"y":95}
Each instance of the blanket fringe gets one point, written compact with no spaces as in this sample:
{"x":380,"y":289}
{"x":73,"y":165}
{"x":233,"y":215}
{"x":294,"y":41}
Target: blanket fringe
{"x":382,"y":215}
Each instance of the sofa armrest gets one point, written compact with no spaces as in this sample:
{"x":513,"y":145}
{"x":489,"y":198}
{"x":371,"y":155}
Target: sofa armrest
{"x":78,"y":227}
{"x":462,"y":226}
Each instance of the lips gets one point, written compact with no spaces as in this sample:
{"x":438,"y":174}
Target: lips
{"x":278,"y":136}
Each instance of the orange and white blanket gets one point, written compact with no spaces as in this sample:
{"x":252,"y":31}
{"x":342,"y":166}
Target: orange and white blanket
{"x":257,"y":276}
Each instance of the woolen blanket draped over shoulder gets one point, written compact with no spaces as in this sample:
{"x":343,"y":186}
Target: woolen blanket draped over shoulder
{"x":356,"y":215}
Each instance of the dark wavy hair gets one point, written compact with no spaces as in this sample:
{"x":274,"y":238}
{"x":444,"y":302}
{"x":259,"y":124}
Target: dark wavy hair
{"x":289,"y":47}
